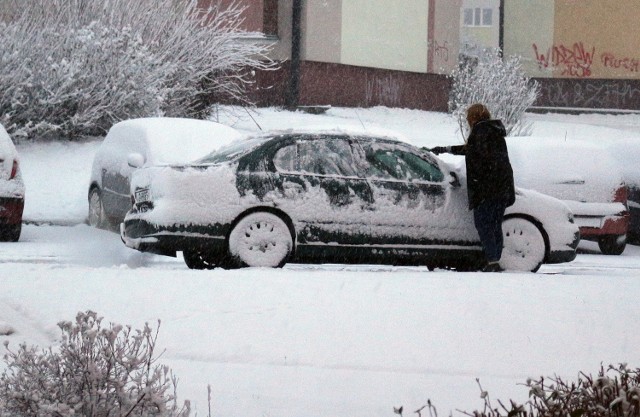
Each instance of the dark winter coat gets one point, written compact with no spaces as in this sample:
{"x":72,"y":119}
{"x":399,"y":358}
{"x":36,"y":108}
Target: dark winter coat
{"x":489,"y":172}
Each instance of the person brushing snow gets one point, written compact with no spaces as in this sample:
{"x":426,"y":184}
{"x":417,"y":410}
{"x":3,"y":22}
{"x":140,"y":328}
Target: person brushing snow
{"x":489,"y":179}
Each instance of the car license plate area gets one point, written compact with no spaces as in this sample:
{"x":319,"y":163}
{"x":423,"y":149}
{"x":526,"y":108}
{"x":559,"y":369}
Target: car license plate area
{"x":142,"y":195}
{"x":595,"y":222}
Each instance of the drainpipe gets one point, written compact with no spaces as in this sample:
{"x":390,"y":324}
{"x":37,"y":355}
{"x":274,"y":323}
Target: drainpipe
{"x":294,"y":77}
{"x":501,"y":29}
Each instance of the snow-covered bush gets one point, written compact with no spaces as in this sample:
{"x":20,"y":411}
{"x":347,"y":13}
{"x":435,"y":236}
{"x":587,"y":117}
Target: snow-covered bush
{"x":500,"y":84}
{"x":74,"y":67}
{"x":95,"y":372}
{"x":615,"y":392}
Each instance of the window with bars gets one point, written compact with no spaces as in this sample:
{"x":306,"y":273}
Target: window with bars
{"x":477,"y":16}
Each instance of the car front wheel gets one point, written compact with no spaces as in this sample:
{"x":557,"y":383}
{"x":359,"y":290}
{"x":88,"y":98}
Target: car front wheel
{"x":196,"y":259}
{"x":524,"y":246}
{"x":261,"y":240}
{"x":612,"y":245}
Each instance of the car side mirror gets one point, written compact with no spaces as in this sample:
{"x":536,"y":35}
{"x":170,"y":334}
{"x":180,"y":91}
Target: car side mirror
{"x":455,"y":181}
{"x":135,"y":160}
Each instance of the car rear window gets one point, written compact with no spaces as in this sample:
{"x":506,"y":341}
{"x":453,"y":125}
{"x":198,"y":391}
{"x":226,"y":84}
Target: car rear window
{"x":233,"y":151}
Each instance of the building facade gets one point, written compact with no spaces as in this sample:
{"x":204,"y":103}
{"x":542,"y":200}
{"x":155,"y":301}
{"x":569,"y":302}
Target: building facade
{"x":584,"y":53}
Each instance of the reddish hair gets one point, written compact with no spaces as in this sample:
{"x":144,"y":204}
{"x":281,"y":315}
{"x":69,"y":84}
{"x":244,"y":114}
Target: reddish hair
{"x":477,"y":113}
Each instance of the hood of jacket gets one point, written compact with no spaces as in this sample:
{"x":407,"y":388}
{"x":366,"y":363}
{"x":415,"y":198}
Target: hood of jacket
{"x":493,"y":124}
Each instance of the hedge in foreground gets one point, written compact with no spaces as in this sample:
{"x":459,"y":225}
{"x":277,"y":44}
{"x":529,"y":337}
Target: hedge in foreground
{"x":95,"y":372}
{"x":614,"y":392}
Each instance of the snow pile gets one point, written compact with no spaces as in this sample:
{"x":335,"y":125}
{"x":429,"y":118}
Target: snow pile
{"x":323,"y":340}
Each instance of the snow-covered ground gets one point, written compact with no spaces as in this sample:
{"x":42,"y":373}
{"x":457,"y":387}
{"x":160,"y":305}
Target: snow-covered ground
{"x":323,"y":340}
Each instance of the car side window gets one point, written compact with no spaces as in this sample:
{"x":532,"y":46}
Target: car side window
{"x":385,"y":161}
{"x":285,"y":158}
{"x":319,"y":156}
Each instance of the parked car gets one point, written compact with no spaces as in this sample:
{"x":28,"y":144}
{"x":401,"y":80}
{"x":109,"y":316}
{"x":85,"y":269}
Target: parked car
{"x":585,"y":176}
{"x":321,"y":196}
{"x":627,"y":153}
{"x":132,"y":144}
{"x":12,"y":190}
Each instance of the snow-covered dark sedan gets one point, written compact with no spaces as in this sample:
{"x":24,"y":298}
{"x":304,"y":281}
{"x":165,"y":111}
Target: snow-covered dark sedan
{"x":331,"y":196}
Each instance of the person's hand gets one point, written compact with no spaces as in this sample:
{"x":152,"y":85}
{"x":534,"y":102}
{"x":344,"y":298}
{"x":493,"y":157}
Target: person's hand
{"x":438,"y":150}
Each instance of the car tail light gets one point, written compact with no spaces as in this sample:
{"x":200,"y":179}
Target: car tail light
{"x":621,"y":195}
{"x":14,"y":169}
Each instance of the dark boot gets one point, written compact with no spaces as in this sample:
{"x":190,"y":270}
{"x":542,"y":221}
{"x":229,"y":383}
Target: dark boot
{"x":492,"y":267}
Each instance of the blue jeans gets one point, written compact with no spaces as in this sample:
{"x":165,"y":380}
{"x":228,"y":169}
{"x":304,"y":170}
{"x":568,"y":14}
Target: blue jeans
{"x":487,"y":217}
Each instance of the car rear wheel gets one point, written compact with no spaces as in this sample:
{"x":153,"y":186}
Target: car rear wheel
{"x":524,"y":245}
{"x":261,"y":240}
{"x":10,"y":233}
{"x":96,"y":217}
{"x":612,"y":245}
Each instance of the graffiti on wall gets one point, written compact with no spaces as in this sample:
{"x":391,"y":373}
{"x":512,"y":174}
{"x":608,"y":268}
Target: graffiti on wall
{"x":609,"y":60}
{"x":576,"y":61}
{"x":573,"y":60}
{"x":440,"y":50}
{"x":618,"y":94}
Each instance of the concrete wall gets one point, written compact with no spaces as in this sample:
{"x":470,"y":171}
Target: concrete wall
{"x":528,"y":32}
{"x":481,"y":36}
{"x":388,"y":34}
{"x":322,"y":23}
{"x":597,"y":39}
{"x":444,"y":43}
{"x":592,"y":39}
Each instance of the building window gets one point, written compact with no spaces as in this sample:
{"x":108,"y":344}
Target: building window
{"x":478,"y":17}
{"x":487,"y":17}
{"x":270,"y":17}
{"x":468,"y":17}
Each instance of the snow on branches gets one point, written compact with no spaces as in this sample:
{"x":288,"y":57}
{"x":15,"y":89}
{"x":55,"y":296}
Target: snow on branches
{"x":500,"y":84}
{"x":96,"y":371}
{"x":74,"y":67}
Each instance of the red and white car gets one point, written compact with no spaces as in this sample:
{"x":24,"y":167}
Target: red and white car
{"x":11,"y":190}
{"x":582,"y":174}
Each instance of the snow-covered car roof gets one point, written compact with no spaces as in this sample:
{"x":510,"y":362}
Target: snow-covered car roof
{"x":174,"y":140}
{"x":246,"y":144}
{"x":565,"y":168}
{"x":349,"y":130}
{"x":627,"y":153}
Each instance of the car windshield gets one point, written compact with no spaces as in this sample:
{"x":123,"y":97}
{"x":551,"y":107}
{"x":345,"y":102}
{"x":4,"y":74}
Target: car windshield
{"x":232,"y":151}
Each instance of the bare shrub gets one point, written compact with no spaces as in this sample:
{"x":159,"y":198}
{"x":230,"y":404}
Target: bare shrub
{"x":614,"y":392}
{"x":74,"y":67}
{"x":500,"y":84}
{"x":95,"y":372}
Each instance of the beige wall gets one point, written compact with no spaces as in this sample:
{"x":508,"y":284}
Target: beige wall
{"x":528,"y":32}
{"x":597,"y":39}
{"x":446,"y":37}
{"x":480,"y":36}
{"x":575,"y":39}
{"x":390,"y":34}
{"x":322,"y":21}
{"x":375,"y":33}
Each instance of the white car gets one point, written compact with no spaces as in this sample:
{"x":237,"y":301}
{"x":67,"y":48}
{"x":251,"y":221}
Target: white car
{"x":135,"y":143}
{"x":338,"y":196}
{"x":12,"y":190}
{"x":582,"y":174}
